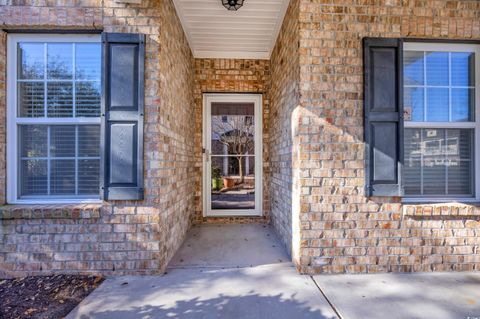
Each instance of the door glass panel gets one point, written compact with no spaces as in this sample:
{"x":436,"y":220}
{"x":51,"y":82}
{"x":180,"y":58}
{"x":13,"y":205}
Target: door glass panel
{"x":232,"y":156}
{"x":233,"y":129}
{"x":230,"y":188}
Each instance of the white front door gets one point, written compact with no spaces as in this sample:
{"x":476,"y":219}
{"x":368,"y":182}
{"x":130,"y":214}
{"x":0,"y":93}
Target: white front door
{"x":232,"y":154}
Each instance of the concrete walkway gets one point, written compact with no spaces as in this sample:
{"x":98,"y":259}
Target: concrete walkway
{"x":400,"y":296}
{"x":241,"y":271}
{"x":227,"y":272}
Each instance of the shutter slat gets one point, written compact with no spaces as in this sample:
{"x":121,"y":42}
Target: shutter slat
{"x":122,"y":116}
{"x":383,"y":111}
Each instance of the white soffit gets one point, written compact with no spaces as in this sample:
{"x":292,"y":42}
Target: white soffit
{"x":215,"y":32}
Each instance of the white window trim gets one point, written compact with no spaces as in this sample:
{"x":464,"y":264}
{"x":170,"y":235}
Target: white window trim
{"x":13,"y":121}
{"x":452,"y":47}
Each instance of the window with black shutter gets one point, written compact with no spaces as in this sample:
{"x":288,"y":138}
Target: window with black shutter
{"x":422,"y":128}
{"x":75,"y":117}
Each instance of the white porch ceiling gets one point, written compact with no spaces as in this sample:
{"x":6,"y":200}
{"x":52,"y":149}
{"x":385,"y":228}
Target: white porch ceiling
{"x":215,"y":32}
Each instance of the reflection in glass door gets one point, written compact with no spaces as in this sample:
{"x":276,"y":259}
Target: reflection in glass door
{"x":232,"y":154}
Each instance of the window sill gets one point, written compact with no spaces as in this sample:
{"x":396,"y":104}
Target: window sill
{"x":442,"y":209}
{"x":51,"y":211}
{"x":50,"y":202}
{"x":445,"y":201}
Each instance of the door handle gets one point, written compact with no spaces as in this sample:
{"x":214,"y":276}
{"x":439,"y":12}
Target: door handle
{"x":207,"y":154}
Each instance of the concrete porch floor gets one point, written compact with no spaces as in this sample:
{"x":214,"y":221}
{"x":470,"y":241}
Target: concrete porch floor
{"x":230,"y":246}
{"x":242,"y":271}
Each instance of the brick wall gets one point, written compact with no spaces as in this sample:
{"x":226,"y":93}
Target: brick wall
{"x":230,"y":76}
{"x":285,"y":101}
{"x":117,"y":237}
{"x":342,"y":230}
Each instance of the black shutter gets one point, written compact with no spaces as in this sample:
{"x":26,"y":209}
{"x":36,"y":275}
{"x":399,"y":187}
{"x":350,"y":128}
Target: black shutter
{"x":122,"y":116}
{"x":383,"y":101}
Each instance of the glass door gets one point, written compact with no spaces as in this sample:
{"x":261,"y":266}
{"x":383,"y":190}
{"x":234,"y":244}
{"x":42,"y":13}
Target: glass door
{"x":232,"y":155}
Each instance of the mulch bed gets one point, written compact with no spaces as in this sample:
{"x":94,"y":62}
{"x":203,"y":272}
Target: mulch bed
{"x":44,"y":297}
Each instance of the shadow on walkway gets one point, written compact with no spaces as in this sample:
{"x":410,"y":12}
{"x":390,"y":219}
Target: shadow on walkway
{"x":220,"y":307}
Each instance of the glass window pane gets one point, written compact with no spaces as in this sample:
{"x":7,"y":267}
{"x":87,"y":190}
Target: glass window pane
{"x":459,"y":144}
{"x":89,"y":140}
{"x":433,"y":142}
{"x":31,"y":99}
{"x":62,"y":141}
{"x":434,"y":173}
{"x":463,"y":104}
{"x":434,"y":177}
{"x":62,"y":177}
{"x":413,"y":63}
{"x":412,"y":162}
{"x":33,"y":140}
{"x":31,"y":58}
{"x":88,"y":177}
{"x":33,"y":177}
{"x":59,"y":60}
{"x":463,"y":68}
{"x":60,"y":99}
{"x":437,"y":68}
{"x":413,"y":144}
{"x":413,"y":177}
{"x":87,"y":99}
{"x":49,"y":155}
{"x":441,"y":165}
{"x":460,"y":177}
{"x":437,"y":105}
{"x":414,"y":102}
{"x":88,"y":61}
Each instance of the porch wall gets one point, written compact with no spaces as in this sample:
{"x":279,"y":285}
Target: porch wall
{"x":118,"y":237}
{"x":231,"y":76}
{"x":341,"y":229}
{"x":285,"y":102}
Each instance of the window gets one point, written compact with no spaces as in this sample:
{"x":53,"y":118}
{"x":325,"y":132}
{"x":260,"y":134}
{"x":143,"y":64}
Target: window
{"x":441,"y":108}
{"x":53,"y":130}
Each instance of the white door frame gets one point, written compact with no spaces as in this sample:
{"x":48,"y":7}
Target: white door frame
{"x":256,"y":99}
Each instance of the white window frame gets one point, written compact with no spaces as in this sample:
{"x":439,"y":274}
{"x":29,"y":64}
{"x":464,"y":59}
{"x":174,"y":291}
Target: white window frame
{"x":13,"y":120}
{"x":452,"y":47}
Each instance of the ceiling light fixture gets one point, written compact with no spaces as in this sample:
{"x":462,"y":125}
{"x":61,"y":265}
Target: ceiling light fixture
{"x":232,"y":5}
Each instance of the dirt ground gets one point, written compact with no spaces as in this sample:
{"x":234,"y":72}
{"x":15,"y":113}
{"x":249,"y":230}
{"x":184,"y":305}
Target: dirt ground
{"x":44,"y":296}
